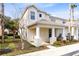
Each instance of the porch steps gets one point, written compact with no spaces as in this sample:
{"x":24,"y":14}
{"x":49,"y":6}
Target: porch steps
{"x":45,"y":43}
{"x":42,"y":44}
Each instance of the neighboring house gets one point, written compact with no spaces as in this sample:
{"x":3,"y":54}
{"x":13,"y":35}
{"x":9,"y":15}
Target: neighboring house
{"x":37,"y":27}
{"x":6,"y":31}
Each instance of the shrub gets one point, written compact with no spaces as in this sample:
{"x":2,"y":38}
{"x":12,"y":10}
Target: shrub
{"x":17,"y":36}
{"x":5,"y":37}
{"x":66,"y":42}
{"x":58,"y":43}
{"x":74,"y":41}
{"x":72,"y":38}
{"x":68,"y":37}
{"x":59,"y":38}
{"x":10,"y":34}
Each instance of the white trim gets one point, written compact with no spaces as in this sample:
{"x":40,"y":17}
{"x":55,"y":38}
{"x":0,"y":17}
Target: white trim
{"x":53,"y":38}
{"x":37,"y":39}
{"x":64,"y":34}
{"x":72,"y":31}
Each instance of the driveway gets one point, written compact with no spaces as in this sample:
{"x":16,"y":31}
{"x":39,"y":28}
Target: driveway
{"x":69,"y":50}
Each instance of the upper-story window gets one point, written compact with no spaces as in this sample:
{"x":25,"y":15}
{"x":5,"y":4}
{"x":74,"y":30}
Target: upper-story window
{"x":40,"y":15}
{"x":32,"y":15}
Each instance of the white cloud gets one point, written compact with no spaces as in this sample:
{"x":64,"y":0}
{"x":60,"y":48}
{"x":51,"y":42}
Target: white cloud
{"x":61,"y":14}
{"x":49,"y":5}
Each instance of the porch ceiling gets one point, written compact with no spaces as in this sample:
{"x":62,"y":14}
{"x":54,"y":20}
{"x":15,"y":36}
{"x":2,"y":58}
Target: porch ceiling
{"x":42,"y":25}
{"x":50,"y":24}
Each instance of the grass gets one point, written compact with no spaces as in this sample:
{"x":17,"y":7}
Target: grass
{"x":7,"y":42}
{"x":15,"y":46}
{"x":18,"y":52}
{"x":64,"y":42}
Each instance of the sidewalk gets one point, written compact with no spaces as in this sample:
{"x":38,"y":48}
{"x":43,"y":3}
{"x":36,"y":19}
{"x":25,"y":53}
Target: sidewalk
{"x":54,"y":51}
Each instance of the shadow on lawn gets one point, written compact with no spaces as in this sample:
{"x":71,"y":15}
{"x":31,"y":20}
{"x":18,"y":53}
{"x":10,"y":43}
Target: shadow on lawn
{"x":5,"y":51}
{"x":4,"y":48}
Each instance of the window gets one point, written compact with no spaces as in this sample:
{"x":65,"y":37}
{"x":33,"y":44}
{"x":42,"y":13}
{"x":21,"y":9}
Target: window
{"x":40,"y":15}
{"x":32,"y":15}
{"x":50,"y":33}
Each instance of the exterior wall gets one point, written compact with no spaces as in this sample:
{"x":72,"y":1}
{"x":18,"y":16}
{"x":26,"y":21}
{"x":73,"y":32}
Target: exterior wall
{"x":31,"y":34}
{"x":36,"y":15}
{"x":44,"y":34}
{"x":44,"y":16}
{"x":27,"y":20}
{"x":24,"y":20}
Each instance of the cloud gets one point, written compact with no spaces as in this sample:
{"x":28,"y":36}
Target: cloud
{"x":49,"y":5}
{"x":61,"y":14}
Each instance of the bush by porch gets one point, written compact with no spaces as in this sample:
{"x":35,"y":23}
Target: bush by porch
{"x":64,"y":42}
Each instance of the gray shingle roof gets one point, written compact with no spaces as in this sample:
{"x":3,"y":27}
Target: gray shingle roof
{"x":56,"y":18}
{"x":51,"y":17}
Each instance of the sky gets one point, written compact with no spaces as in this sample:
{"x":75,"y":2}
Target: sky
{"x":61,"y":10}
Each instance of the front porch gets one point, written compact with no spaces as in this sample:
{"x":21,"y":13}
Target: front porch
{"x":40,"y":34}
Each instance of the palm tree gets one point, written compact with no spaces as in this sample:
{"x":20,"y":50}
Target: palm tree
{"x":72,"y":7}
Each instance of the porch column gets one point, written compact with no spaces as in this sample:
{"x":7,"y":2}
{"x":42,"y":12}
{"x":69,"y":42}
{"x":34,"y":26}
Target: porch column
{"x":37,"y":37}
{"x":69,"y":29}
{"x":64,"y":34}
{"x":53,"y":38}
{"x":76,"y":35}
{"x":72,"y":32}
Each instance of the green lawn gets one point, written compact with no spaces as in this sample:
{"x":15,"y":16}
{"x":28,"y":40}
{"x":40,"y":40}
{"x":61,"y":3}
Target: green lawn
{"x":29,"y":50}
{"x":15,"y":46}
{"x":8,"y":41}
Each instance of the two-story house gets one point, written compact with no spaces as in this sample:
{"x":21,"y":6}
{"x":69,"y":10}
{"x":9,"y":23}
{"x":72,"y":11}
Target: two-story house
{"x":38,"y":27}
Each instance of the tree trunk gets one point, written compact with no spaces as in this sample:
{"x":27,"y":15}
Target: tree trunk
{"x":22,"y":44}
{"x":13,"y":36}
{"x":2,"y":21}
{"x":14,"y":33}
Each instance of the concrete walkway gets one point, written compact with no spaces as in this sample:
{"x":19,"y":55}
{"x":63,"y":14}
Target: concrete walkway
{"x":56,"y":51}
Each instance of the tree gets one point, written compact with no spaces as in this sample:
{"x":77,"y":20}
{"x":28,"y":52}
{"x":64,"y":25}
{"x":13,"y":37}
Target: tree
{"x":2,"y":21}
{"x":13,"y":26}
{"x":72,"y":7}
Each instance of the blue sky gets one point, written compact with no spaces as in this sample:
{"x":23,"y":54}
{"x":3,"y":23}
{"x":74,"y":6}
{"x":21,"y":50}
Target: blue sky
{"x":61,"y":10}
